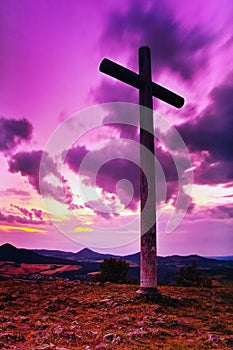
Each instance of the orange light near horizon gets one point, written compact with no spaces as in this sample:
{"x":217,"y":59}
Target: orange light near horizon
{"x":21,"y":228}
{"x":83,"y":229}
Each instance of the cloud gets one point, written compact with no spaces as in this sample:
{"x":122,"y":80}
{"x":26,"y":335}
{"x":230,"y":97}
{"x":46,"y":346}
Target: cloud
{"x":13,"y":132}
{"x":221,"y":211}
{"x":210,"y":136}
{"x":27,"y":219}
{"x":15,"y":192}
{"x":110,"y":172}
{"x":28,"y":165}
{"x":102,"y":209}
{"x":36,"y":214}
{"x":174,"y":47}
{"x":107,"y":167}
{"x":212,"y":131}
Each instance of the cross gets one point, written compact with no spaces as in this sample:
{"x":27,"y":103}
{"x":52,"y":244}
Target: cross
{"x":147,"y":89}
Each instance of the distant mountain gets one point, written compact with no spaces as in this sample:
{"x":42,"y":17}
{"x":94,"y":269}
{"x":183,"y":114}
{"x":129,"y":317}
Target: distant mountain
{"x":89,"y":262}
{"x":10,"y":253}
{"x":55,"y":253}
{"x":88,"y":254}
{"x":221,"y":257}
{"x":83,"y":255}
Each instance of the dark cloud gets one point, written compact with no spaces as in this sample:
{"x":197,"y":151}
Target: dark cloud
{"x":211,"y":136}
{"x":32,"y":214}
{"x":38,"y":213}
{"x":15,"y":192}
{"x":23,"y":211}
{"x":173,"y":46}
{"x":29,"y":165}
{"x":75,"y":156}
{"x":106,"y":211}
{"x":212,"y":131}
{"x":221,"y":211}
{"x":27,"y":218}
{"x":112,"y":171}
{"x":212,"y":172}
{"x":13,"y":132}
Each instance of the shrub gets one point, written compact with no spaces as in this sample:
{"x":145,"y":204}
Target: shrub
{"x":189,"y":276}
{"x":112,"y":270}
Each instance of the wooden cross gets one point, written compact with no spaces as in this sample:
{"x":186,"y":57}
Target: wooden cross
{"x":147,"y":89}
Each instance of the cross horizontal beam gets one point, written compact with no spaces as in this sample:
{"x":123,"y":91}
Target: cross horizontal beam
{"x":127,"y":76}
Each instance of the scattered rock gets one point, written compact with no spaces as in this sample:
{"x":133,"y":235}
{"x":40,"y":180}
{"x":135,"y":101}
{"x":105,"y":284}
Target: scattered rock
{"x":109,"y":336}
{"x":4,"y":319}
{"x":58,"y":330}
{"x":214,"y":338}
{"x":101,"y":346}
{"x":12,"y":336}
{"x":113,"y":338}
{"x":41,"y":335}
{"x":71,"y":335}
{"x":93,"y":333}
{"x":24,"y":319}
{"x":43,"y":347}
{"x":100,"y":284}
{"x":117,"y":340}
{"x":10,"y":325}
{"x":138,"y":331}
{"x":106,"y":300}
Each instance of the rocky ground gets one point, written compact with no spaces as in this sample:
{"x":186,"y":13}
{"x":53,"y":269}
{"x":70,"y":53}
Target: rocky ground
{"x":66,"y":315}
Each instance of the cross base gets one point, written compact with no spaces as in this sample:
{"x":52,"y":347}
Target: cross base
{"x":149,"y":292}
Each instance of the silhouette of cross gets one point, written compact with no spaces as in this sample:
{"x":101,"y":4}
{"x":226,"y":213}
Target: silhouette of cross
{"x":147,"y":89}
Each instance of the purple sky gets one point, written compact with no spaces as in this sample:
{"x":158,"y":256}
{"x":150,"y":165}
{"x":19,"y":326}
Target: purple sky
{"x":50,"y":54}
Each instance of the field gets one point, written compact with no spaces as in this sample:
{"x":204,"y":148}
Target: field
{"x":72,"y":315}
{"x":11,"y":269}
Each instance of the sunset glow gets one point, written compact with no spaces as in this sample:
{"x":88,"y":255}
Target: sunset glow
{"x":50,"y":84}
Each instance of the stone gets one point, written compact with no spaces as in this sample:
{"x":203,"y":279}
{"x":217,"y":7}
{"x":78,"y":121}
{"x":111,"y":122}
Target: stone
{"x":12,"y":336}
{"x":214,"y":338}
{"x":43,"y":347}
{"x":58,"y":330}
{"x":109,"y":336}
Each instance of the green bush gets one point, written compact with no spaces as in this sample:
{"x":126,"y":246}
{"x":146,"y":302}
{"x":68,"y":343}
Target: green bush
{"x":189,"y":276}
{"x":112,"y":270}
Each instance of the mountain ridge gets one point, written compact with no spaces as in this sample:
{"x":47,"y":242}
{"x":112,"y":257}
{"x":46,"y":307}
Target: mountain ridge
{"x":88,"y":263}
{"x":8,"y":252}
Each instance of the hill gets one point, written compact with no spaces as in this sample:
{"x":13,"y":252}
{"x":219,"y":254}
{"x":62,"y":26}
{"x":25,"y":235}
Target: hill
{"x":10,"y":253}
{"x":83,"y":255}
{"x":88,"y":262}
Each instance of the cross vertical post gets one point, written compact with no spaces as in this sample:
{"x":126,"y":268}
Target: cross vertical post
{"x":148,"y":256}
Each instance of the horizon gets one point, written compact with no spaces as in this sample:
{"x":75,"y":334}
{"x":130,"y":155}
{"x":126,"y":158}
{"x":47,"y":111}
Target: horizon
{"x":70,"y":174}
{"x":108,"y":253}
